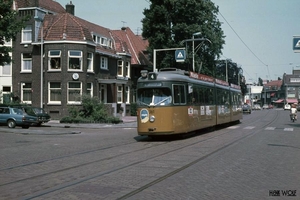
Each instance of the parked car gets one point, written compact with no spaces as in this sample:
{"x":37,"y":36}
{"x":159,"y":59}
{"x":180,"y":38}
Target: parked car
{"x":40,"y":113}
{"x":16,"y":117}
{"x":247,"y":108}
{"x":265,"y":106}
{"x":287,"y":107}
{"x":256,"y":107}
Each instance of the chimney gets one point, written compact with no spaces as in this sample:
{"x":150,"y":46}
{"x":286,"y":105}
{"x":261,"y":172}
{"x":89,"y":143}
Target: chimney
{"x":70,"y":8}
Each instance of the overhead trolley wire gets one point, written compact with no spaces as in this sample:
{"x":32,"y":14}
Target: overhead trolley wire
{"x":245,"y":43}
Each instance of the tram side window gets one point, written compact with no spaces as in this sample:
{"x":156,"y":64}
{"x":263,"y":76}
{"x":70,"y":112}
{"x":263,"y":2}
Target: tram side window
{"x":226,"y":98}
{"x":195,"y":96}
{"x":220,"y":96}
{"x":179,"y":94}
{"x":202,"y":92}
{"x":233,"y":98}
{"x":209,"y":99}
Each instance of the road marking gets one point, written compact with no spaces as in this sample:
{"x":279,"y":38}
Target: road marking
{"x":249,"y":127}
{"x":233,"y":127}
{"x":288,"y":129}
{"x":270,"y":128}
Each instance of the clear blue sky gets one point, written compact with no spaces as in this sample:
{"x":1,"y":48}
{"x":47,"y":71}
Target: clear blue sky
{"x":259,"y":33}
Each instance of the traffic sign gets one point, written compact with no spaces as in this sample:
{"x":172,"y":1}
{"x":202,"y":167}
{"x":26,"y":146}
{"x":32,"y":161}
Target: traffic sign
{"x":296,"y":44}
{"x":180,"y":55}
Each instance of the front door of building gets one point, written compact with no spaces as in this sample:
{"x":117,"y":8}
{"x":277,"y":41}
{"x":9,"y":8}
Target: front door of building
{"x":103,"y":93}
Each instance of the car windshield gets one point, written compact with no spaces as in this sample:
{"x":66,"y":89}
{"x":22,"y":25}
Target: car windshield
{"x":154,"y":96}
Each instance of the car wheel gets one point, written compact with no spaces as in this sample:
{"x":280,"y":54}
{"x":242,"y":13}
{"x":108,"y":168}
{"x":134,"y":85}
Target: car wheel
{"x":25,"y":127}
{"x":11,"y":123}
{"x":39,"y":124}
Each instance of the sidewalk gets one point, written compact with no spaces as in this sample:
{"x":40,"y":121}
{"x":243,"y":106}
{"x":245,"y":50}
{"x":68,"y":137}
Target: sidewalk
{"x":128,"y":121}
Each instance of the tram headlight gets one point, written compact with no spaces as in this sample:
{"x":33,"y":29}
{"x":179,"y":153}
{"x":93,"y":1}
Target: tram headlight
{"x":152,"y":118}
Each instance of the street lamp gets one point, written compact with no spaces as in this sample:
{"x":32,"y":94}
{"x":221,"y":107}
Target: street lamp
{"x":198,"y":33}
{"x":38,"y":19}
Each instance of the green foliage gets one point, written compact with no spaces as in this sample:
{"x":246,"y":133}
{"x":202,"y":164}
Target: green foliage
{"x":133,"y":109}
{"x":91,"y":111}
{"x":169,"y":22}
{"x":10,"y":26}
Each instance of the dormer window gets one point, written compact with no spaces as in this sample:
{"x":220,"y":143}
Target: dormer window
{"x":127,"y":69}
{"x":109,"y":44}
{"x":104,"y":41}
{"x":120,"y":67}
{"x":27,"y":34}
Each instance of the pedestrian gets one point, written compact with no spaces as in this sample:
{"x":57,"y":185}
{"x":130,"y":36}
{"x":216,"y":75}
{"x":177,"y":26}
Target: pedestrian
{"x":293,"y":111}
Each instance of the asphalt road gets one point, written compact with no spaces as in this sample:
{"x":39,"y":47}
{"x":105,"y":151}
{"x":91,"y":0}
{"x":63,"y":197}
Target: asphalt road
{"x":256,"y":159}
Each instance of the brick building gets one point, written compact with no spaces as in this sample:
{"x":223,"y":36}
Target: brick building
{"x":58,"y":57}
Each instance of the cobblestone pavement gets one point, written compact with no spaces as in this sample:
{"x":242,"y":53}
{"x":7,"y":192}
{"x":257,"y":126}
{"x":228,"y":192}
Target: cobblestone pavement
{"x":257,"y":159}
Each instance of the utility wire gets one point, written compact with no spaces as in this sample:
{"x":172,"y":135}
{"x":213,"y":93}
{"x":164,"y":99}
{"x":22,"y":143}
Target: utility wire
{"x":246,"y":44}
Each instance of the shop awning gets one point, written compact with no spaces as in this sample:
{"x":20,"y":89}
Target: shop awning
{"x":279,"y":101}
{"x":292,"y":100}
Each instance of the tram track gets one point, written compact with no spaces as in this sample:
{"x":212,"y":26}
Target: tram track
{"x":95,"y":175}
{"x":136,"y":191}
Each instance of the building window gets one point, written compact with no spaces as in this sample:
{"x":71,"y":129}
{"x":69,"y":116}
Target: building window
{"x":26,"y":94}
{"x":27,"y":34}
{"x":26,"y":62}
{"x":120,"y":94}
{"x":127,"y":96}
{"x":74,"y":92}
{"x":89,"y":89}
{"x":90,"y":62}
{"x":6,"y":96}
{"x":54,"y":92}
{"x":103,"y":63}
{"x":295,"y":80}
{"x":6,"y":70}
{"x":104,"y":41}
{"x":110,"y":44}
{"x":120,"y":67}
{"x":75,"y":58}
{"x":96,"y":39}
{"x":54,"y":59}
{"x":127,"y":69}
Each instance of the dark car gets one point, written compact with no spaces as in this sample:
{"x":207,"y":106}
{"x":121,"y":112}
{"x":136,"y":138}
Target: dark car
{"x":16,"y":117}
{"x":40,"y":113}
{"x":247,"y":109}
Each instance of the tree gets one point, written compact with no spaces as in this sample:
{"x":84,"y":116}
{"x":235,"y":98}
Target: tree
{"x":234,"y":73}
{"x":10,"y":25}
{"x":260,"y":82}
{"x":169,"y":22}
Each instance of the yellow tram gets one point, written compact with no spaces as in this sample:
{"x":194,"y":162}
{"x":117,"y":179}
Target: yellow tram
{"x":174,"y":101}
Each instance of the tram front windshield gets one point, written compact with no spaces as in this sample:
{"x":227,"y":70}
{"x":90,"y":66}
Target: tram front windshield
{"x":154,"y":97}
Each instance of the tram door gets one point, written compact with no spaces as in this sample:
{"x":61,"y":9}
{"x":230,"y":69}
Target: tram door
{"x":103,"y":93}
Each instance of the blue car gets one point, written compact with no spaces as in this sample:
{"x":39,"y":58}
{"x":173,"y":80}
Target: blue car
{"x":16,"y":117}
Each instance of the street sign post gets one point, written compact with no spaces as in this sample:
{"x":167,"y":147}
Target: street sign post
{"x":180,"y":55}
